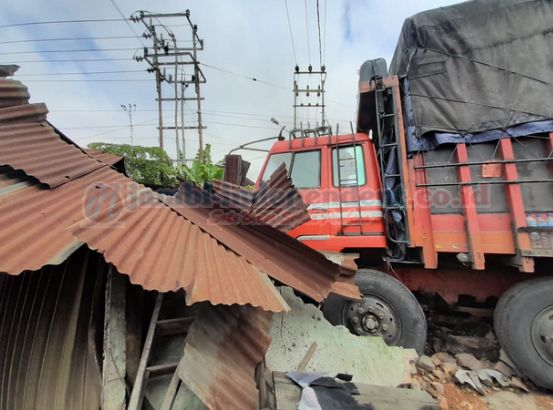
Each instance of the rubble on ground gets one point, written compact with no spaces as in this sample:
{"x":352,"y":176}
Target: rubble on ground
{"x":336,"y":350}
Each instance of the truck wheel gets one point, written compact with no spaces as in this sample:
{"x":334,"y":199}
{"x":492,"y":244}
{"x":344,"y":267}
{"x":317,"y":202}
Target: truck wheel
{"x":387,"y":309}
{"x":523,"y":321}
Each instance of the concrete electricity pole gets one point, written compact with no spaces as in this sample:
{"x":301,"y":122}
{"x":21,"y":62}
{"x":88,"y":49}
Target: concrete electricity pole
{"x":129,"y":108}
{"x":165,"y":53}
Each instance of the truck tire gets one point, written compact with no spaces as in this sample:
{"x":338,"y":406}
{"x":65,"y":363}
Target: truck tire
{"x":523,"y":322}
{"x":388,"y":309}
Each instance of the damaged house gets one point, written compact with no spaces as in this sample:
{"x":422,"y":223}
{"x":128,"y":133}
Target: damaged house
{"x":97,"y":269}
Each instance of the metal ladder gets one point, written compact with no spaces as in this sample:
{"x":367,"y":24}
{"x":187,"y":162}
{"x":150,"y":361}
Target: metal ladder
{"x":153,"y":364}
{"x":340,"y":163}
{"x":388,"y":153}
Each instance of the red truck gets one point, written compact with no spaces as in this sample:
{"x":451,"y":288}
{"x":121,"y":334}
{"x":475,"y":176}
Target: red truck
{"x":468,"y":229}
{"x":468,"y":219}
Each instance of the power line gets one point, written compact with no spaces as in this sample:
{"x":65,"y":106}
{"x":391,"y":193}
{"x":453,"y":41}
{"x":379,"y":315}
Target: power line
{"x":81,"y":73}
{"x":68,"y":51}
{"x":290,"y":30}
{"x":78,"y":60}
{"x":37,"y":40}
{"x":319,"y":30}
{"x":245,"y":76}
{"x":307,"y":31}
{"x":36,"y":23}
{"x":324,"y":33}
{"x":68,"y":80}
{"x":127,"y":21}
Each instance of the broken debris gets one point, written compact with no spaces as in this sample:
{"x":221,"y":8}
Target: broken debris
{"x":367,"y":358}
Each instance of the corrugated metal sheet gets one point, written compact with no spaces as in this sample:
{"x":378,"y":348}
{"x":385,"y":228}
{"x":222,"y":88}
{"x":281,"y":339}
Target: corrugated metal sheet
{"x":46,"y":325}
{"x":12,"y":93}
{"x":155,"y":246}
{"x":277,"y":202}
{"x":161,"y":250}
{"x":233,"y":196}
{"x":280,"y":256}
{"x":23,"y":113}
{"x":223,"y":348}
{"x":105,"y":157}
{"x":36,"y":149}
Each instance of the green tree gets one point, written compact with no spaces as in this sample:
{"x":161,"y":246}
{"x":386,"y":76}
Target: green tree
{"x":147,"y":165}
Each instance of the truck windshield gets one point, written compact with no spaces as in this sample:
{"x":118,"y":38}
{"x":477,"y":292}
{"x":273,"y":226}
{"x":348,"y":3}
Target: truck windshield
{"x":303,"y":167}
{"x":275,"y":161}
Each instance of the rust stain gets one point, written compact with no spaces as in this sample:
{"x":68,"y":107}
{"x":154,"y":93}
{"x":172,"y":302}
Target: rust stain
{"x":223,"y":348}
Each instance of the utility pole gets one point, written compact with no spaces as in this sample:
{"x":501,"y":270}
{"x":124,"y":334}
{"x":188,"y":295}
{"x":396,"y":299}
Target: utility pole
{"x":167,"y":54}
{"x":308,"y":91}
{"x":129,"y":108}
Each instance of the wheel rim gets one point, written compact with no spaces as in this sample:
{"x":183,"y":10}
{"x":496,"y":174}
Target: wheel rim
{"x":542,"y":334}
{"x":373,"y":316}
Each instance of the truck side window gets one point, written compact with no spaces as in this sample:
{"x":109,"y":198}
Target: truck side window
{"x":306,"y":169}
{"x":348,"y":170}
{"x":275,"y":161}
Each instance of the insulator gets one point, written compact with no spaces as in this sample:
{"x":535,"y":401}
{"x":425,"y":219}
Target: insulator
{"x":310,"y":68}
{"x":297,"y":69}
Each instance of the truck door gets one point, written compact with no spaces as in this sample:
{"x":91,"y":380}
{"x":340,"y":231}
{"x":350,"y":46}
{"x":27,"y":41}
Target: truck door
{"x":355,"y":201}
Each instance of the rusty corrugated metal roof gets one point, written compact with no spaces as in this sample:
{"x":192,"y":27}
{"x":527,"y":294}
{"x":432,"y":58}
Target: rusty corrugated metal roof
{"x":279,"y":255}
{"x":277,"y":202}
{"x":161,"y":250}
{"x":36,"y":149}
{"x":223,"y":348}
{"x":233,"y":196}
{"x":157,"y":248}
{"x":105,"y":157}
{"x":23,"y":113}
{"x":12,"y":93}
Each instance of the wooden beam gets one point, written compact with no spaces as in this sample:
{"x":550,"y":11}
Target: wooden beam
{"x":516,"y":207}
{"x":137,"y":394}
{"x":470,"y":211}
{"x":115,"y":331}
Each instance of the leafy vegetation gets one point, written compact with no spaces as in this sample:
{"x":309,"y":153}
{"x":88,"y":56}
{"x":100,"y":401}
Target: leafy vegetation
{"x":147,"y":165}
{"x":202,"y":169}
{"x":152,"y":166}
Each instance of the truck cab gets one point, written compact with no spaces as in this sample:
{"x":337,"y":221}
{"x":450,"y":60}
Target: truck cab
{"x":338,"y":178}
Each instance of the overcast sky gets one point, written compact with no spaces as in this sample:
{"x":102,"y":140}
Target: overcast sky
{"x":246,"y":37}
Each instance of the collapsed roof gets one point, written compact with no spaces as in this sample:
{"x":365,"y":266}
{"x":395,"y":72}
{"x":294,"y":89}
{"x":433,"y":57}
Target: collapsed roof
{"x":55,"y":197}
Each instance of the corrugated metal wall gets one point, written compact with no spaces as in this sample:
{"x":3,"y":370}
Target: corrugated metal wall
{"x":48,"y":357}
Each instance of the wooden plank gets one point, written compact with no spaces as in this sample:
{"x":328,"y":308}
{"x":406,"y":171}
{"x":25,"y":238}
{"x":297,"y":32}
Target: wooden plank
{"x":171,"y":392}
{"x":469,"y":208}
{"x":115,"y":349}
{"x":138,"y":389}
{"x":516,"y":207}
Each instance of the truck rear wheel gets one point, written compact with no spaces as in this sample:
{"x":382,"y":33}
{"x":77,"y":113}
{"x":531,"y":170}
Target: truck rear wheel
{"x":523,"y":321}
{"x":387,"y":309}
